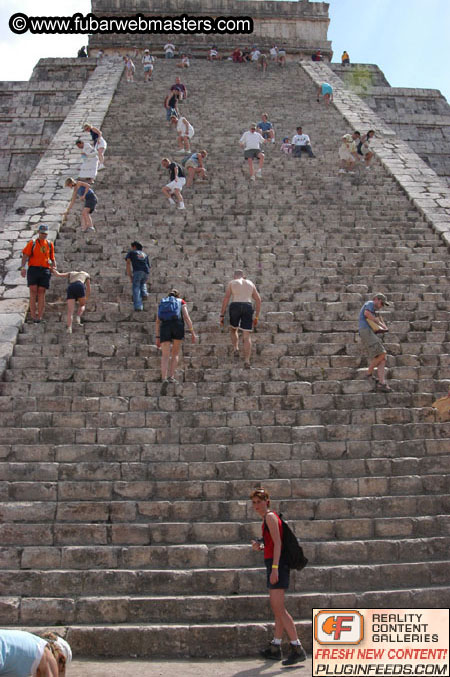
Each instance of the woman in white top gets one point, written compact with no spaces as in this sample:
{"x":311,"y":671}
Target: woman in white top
{"x":23,"y":654}
{"x":78,"y":290}
{"x":185,"y":133}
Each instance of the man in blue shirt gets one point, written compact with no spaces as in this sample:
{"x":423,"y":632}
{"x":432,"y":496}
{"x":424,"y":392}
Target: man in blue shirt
{"x":138,"y":268}
{"x":370,"y":339}
{"x":265,"y":128}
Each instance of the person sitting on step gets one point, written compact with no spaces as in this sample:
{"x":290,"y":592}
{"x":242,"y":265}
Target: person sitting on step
{"x":195,"y":167}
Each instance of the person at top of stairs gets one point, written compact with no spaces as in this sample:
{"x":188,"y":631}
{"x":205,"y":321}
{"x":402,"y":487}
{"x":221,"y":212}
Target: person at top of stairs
{"x":241,"y":292}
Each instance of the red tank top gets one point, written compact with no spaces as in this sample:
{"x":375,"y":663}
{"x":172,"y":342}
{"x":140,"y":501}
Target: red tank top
{"x":268,"y":541}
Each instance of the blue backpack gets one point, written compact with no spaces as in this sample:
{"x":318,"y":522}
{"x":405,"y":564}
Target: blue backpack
{"x":169,"y":309}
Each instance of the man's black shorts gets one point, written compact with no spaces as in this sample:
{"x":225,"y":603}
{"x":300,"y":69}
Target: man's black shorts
{"x":170,"y":330}
{"x":38,"y":276}
{"x":241,"y":315}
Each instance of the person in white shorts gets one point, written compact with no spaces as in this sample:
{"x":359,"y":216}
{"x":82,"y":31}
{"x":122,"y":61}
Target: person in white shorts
{"x":251,"y":143}
{"x":99,"y":143}
{"x":185,"y":133}
{"x":172,"y":190}
{"x":147,"y":62}
{"x":241,"y":292}
{"x":347,"y":152}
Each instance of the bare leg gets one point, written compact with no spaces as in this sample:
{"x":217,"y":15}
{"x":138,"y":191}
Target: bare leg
{"x":234,"y":338}
{"x":165,"y":357}
{"x":33,"y":299}
{"x":247,"y":349}
{"x":70,"y":309}
{"x":250,"y":166}
{"x":190,"y":176}
{"x":261,"y":160}
{"x":41,"y":301}
{"x":283,"y":619}
{"x":174,"y":357}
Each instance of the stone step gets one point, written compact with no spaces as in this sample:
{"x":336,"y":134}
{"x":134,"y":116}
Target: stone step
{"x":383,"y":550}
{"x":246,"y":580}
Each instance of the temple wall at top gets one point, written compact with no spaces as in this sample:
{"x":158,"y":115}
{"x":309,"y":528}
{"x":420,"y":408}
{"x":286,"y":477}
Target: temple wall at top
{"x":301,"y":27}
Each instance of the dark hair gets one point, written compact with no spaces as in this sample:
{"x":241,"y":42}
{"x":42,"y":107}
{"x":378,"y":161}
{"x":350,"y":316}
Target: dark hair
{"x":356,"y":132}
{"x":78,"y":141}
{"x":371,"y":131}
{"x":137,"y":245}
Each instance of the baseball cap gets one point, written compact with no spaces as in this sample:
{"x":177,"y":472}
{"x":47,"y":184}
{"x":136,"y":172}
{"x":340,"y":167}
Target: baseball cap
{"x":382,"y":298}
{"x":43,"y":228}
{"x":253,"y":125}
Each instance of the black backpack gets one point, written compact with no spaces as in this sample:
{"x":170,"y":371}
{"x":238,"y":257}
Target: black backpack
{"x":291,"y":550}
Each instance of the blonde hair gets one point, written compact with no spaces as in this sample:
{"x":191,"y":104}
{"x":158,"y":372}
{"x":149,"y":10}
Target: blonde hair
{"x":56,"y":651}
{"x":70,"y":182}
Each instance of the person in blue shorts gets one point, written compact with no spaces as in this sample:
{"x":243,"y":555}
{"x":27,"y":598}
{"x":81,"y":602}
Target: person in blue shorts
{"x":326,"y":91}
{"x":265,"y":128}
{"x":84,"y":191}
{"x":23,"y":654}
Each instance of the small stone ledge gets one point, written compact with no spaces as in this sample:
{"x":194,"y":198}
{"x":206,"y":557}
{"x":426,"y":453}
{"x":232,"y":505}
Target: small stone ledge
{"x":44,"y":199}
{"x":428,"y":193}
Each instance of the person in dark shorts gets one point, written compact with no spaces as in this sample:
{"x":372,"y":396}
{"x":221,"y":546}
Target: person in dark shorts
{"x":251,"y":141}
{"x":169,"y":326}
{"x":138,"y":268}
{"x":241,"y":292}
{"x":84,"y":191}
{"x":78,"y":291}
{"x":40,"y":255}
{"x":277,"y":580}
{"x":371,"y":340}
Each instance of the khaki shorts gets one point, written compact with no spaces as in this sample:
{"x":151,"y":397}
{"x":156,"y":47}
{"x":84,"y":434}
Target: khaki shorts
{"x":372,"y":345}
{"x":191,"y":163}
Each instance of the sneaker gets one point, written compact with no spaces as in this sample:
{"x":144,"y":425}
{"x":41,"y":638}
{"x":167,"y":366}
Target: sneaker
{"x":36,"y":320}
{"x":138,"y":310}
{"x":171,"y":201}
{"x":69,"y":330}
{"x":296,"y":654}
{"x":384,"y":388}
{"x":164,"y":386}
{"x":101,"y":166}
{"x":78,"y":319}
{"x":172,"y":379}
{"x":90,"y":228}
{"x":181,"y":206}
{"x":247,"y":365}
{"x":181,"y":151}
{"x":258,"y":173}
{"x":252,"y":178}
{"x":273,"y":652}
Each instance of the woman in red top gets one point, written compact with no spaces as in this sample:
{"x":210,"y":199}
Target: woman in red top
{"x":277,"y":580}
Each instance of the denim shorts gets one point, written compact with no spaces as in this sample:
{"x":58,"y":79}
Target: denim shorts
{"x":283,"y":575}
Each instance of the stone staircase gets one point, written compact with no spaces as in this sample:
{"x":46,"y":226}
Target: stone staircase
{"x":122,"y":510}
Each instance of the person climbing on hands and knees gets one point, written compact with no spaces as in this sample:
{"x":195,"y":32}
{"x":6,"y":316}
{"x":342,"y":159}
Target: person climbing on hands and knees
{"x":278,"y":573}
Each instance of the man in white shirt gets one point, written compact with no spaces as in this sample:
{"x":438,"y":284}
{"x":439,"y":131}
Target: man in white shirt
{"x":169,"y":49}
{"x":241,"y":292}
{"x":301,"y":143}
{"x":147,"y":62}
{"x":251,"y":143}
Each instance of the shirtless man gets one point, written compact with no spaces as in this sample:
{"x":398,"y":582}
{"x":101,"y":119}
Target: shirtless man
{"x":241,"y":292}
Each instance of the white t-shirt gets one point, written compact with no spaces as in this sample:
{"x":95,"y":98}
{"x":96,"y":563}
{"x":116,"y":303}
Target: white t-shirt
{"x":147,"y":60}
{"x":169,"y":48}
{"x":181,"y":128}
{"x":256,"y":55}
{"x":252,"y":140}
{"x":273,"y":51}
{"x":300,"y":140}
